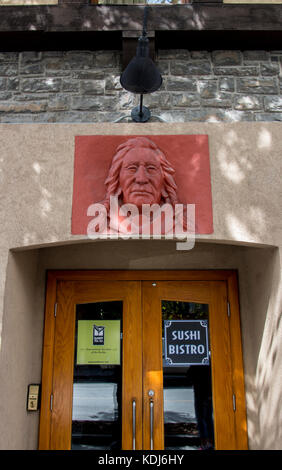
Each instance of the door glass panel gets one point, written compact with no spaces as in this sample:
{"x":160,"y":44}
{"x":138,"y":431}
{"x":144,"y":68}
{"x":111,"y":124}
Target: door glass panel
{"x":97,"y":380}
{"x":188,"y":413}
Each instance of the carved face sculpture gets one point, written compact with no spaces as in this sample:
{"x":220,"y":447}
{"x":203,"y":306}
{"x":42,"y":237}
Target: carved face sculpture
{"x":140,"y":174}
{"x":141,"y":179}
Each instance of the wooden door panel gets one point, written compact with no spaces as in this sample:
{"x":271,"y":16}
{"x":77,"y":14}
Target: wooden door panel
{"x":221,"y":368}
{"x":152,"y":366}
{"x":141,"y":294}
{"x":185,"y":291}
{"x":63,"y":368}
{"x":69,"y":294}
{"x":215,"y":295}
{"x":132,"y":365}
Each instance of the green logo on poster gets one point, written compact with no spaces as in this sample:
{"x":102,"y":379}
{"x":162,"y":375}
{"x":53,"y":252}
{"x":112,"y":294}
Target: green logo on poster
{"x":98,"y":342}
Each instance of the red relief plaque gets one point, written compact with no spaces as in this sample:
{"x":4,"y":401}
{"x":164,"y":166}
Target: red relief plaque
{"x":164,"y":171}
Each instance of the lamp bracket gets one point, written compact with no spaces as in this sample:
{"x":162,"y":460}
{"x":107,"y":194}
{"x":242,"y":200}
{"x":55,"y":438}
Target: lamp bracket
{"x":140,"y":114}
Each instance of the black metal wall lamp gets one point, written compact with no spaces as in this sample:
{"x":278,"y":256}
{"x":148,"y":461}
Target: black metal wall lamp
{"x":141,"y":76}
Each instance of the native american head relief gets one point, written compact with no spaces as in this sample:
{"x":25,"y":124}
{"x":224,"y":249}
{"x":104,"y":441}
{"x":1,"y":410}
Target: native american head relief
{"x":141,"y":194}
{"x":140,"y":174}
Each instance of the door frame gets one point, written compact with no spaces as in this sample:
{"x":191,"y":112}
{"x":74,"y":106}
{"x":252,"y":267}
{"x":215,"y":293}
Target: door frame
{"x":233,"y":312}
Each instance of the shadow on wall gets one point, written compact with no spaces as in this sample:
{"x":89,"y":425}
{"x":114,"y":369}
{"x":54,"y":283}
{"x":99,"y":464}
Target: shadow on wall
{"x":246,"y":188}
{"x":268,"y":378}
{"x":257,"y":178}
{"x":20,"y":354}
{"x":260,"y":299}
{"x":258,"y":220}
{"x":258,"y":269}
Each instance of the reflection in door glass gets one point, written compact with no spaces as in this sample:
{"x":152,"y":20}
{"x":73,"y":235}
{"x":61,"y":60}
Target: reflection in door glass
{"x":96,"y":412}
{"x":188,"y":413}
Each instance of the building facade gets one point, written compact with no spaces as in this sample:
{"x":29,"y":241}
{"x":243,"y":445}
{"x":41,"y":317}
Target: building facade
{"x":60,"y":70}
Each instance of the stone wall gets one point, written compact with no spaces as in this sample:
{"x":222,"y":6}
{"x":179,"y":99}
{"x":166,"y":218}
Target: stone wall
{"x":83,"y":86}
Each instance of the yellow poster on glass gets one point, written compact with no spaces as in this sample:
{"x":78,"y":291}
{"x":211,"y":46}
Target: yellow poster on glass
{"x":98,"y":342}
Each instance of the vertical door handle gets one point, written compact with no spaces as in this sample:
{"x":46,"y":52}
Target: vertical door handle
{"x":151,"y":425}
{"x":133,"y":424}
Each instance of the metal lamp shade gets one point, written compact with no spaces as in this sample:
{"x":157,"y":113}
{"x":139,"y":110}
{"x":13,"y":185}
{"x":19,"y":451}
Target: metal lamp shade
{"x":141,"y":76}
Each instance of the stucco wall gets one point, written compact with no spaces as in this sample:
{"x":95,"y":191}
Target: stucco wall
{"x":35,"y":211}
{"x":37,"y":177}
{"x":24,"y":317}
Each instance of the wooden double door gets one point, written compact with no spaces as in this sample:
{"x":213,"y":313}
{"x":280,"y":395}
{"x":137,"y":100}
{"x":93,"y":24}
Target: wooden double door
{"x":142,"y":360}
